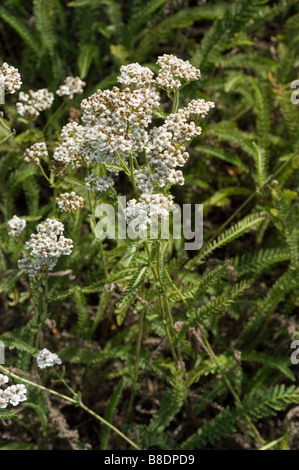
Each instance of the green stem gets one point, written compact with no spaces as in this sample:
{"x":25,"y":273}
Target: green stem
{"x":103,"y":257}
{"x":42,"y":315}
{"x":71,"y":400}
{"x":125,"y":167}
{"x":158,"y":279}
{"x":54,"y":201}
{"x":160,"y":297}
{"x":136,"y":365}
{"x":44,"y":174}
{"x":175,"y":103}
{"x":175,"y":287}
{"x":272,"y":443}
{"x":132,"y":175}
{"x":92,"y":215}
{"x":169,"y":314}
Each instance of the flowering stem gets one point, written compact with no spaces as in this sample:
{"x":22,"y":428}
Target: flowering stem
{"x":132,"y":175}
{"x":137,"y":357}
{"x":175,"y":103}
{"x":75,"y":401}
{"x":103,"y":257}
{"x":42,"y":315}
{"x":93,"y":225}
{"x":54,"y":201}
{"x":125,"y":167}
{"x":160,"y":297}
{"x":168,"y":312}
{"x":175,"y":287}
{"x":44,"y":174}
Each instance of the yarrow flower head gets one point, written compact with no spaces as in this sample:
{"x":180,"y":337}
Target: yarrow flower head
{"x":150,"y":209}
{"x":46,"y":247}
{"x":35,"y":152}
{"x":174,"y":71}
{"x":70,"y":202}
{"x":16,"y":225}
{"x":47,"y":359}
{"x":3,"y":379}
{"x":98,"y":183}
{"x":70,"y":151}
{"x":10,"y":78}
{"x":116,"y":122}
{"x":13,"y":395}
{"x":71,"y":86}
{"x":135,"y":74}
{"x":33,"y":102}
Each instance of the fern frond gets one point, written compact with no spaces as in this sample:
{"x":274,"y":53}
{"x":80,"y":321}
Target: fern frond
{"x":205,"y":314}
{"x":259,"y":260}
{"x":82,"y":314}
{"x":45,"y":15}
{"x":226,"y":237}
{"x":110,"y":409}
{"x":129,"y":294}
{"x":262,"y":113}
{"x":261,"y":165}
{"x":267,"y":306}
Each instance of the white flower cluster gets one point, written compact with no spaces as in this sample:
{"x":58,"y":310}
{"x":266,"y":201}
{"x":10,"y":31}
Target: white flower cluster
{"x":98,"y":183}
{"x":33,"y":102}
{"x":135,"y":74}
{"x":144,"y":180}
{"x":167,"y":145}
{"x":13,"y":395}
{"x":150,"y":209}
{"x":173,"y":70}
{"x":116,"y":121}
{"x":35,"y":152}
{"x":47,"y":359}
{"x":70,"y":202}
{"x":46,"y":247}
{"x":115,"y":128}
{"x":16,"y":225}
{"x":10,"y":78}
{"x":71,"y":86}
{"x":70,"y":150}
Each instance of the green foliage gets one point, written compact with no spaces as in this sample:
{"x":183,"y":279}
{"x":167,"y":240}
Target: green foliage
{"x":110,"y":410}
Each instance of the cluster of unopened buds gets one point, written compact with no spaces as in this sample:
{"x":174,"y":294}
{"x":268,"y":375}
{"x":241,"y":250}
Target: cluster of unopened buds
{"x":12,"y":395}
